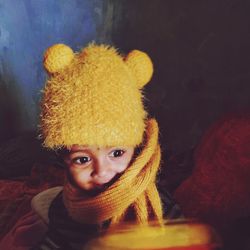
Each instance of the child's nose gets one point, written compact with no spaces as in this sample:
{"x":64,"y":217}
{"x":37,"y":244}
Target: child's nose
{"x":101,"y":168}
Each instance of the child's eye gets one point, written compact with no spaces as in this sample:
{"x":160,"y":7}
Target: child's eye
{"x":81,"y":160}
{"x":117,"y":153}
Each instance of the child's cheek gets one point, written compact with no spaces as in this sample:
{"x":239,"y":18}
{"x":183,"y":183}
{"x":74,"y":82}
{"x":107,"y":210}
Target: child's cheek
{"x":121,"y":167}
{"x":81,"y":176}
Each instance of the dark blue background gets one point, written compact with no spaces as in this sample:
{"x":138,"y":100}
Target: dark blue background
{"x":27,"y":28}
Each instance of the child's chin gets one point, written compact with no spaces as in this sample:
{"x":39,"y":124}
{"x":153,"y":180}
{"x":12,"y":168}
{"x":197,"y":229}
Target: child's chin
{"x":97,"y":189}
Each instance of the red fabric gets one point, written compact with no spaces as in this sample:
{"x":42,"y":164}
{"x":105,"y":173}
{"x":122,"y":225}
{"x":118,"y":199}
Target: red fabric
{"x":22,"y":208}
{"x":15,"y":195}
{"x":218,"y":189}
{"x":26,"y":233}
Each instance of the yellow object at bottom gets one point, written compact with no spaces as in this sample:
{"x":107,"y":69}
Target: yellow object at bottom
{"x":173,"y":235}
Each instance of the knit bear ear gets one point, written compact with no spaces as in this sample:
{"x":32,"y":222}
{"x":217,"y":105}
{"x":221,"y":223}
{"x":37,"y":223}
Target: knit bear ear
{"x":57,"y":57}
{"x":141,"y":65}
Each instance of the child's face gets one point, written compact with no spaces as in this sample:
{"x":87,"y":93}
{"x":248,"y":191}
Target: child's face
{"x":91,"y":168}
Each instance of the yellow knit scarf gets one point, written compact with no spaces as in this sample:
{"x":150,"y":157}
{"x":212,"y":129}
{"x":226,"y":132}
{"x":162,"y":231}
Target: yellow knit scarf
{"x":135,"y":189}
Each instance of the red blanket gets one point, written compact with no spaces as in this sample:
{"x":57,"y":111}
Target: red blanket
{"x":16,"y":194}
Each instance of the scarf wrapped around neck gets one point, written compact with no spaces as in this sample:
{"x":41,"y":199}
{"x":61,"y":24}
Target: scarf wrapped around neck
{"x":135,"y":189}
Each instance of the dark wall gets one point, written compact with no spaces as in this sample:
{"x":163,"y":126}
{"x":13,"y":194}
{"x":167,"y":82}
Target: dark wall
{"x":201,"y":54}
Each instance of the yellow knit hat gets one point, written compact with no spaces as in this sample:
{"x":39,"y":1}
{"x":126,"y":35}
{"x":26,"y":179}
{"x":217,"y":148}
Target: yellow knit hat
{"x":94,"y":97}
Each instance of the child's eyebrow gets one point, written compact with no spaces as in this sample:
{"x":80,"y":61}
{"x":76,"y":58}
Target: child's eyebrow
{"x":78,"y":151}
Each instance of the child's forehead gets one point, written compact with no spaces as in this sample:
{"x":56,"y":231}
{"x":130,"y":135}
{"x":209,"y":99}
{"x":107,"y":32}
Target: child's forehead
{"x":77,"y":147}
{"x":83,"y":147}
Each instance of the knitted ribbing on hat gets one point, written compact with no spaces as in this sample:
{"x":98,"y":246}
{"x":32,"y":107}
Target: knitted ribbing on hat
{"x":135,"y":190}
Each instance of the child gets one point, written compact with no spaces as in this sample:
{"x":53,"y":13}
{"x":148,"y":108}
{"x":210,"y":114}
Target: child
{"x":93,"y":114}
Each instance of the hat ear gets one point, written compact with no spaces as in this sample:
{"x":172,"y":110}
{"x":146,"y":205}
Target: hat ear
{"x":57,"y":57}
{"x":141,"y":66}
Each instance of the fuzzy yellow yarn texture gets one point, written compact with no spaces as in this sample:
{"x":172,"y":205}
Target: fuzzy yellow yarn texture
{"x":94,"y":97}
{"x":135,"y":190}
{"x":57,"y":57}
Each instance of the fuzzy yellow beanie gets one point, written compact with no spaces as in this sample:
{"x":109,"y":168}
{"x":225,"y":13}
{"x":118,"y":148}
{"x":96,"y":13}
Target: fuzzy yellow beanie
{"x":94,"y":98}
